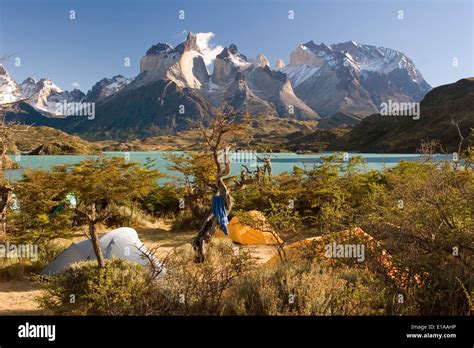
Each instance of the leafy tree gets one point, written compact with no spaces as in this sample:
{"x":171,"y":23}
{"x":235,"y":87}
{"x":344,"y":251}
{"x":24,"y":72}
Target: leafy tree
{"x":425,"y":217}
{"x":103,"y":185}
{"x":40,"y":197}
{"x":215,"y":139}
{"x":198,"y":171}
{"x":7,"y":133}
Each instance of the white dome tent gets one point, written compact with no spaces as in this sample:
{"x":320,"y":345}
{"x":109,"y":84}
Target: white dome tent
{"x":122,"y":243}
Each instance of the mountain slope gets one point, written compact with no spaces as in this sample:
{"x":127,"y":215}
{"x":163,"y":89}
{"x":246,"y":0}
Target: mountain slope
{"x":352,"y":78}
{"x":339,"y":119}
{"x":45,"y":140}
{"x":252,"y":86}
{"x":341,"y":83}
{"x":378,"y":133}
{"x":142,"y":112}
{"x":174,"y":89}
{"x":106,"y":87}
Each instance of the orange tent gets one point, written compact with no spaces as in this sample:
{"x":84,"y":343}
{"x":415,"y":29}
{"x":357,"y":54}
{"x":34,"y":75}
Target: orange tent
{"x":245,"y":234}
{"x":297,"y":250}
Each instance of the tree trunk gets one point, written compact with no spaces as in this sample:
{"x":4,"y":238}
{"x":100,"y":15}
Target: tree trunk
{"x":94,"y":237}
{"x":208,"y":227}
{"x":96,"y":245}
{"x":3,"y":153}
{"x":4,"y":201}
{"x":210,"y":224}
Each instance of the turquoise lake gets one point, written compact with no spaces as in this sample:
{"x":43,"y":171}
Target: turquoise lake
{"x":281,"y":162}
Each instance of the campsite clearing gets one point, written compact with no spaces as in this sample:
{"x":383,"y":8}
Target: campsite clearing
{"x":17,"y":297}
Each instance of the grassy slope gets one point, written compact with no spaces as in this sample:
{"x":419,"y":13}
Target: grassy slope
{"x":403,"y":134}
{"x":267,"y":132}
{"x":29,"y":139}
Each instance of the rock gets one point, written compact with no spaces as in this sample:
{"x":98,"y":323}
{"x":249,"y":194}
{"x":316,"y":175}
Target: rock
{"x":260,"y":61}
{"x":279,"y":64}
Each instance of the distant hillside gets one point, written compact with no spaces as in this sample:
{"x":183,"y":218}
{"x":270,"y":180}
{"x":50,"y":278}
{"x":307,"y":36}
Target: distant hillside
{"x":314,"y":141}
{"x":339,"y":119}
{"x":264,"y":133}
{"x":50,"y":141}
{"x":386,"y":134}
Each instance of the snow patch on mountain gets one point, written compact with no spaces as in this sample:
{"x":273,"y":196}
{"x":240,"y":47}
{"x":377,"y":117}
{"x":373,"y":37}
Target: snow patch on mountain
{"x":360,"y":56}
{"x":299,"y":73}
{"x":352,"y":77}
{"x":106,"y":87}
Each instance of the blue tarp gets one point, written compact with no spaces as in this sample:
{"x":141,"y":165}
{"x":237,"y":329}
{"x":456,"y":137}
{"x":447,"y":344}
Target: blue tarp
{"x":220,"y":212}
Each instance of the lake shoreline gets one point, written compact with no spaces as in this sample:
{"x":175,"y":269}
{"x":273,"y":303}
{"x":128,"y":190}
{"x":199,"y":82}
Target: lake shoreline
{"x":281,"y":162}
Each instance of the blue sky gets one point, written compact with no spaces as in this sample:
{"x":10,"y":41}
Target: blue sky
{"x":95,"y":44}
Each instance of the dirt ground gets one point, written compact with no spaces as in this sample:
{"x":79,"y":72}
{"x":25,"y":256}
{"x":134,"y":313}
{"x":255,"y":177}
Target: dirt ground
{"x":17,"y":297}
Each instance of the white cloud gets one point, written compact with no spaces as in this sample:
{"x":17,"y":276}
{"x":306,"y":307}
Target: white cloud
{"x":209,"y":50}
{"x":75,"y":84}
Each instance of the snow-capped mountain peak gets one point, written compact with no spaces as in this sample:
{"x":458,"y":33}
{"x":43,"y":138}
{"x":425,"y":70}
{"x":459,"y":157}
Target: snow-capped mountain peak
{"x":359,"y":56}
{"x":159,"y":48}
{"x":28,"y":87}
{"x":352,"y":77}
{"x":9,"y":89}
{"x":43,"y":87}
{"x":44,"y":95}
{"x":227,"y":64}
{"x":183,"y":64}
{"x":231,"y":54}
{"x":107,"y":87}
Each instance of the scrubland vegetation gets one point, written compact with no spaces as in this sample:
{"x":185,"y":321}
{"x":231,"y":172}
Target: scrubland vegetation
{"x":420,"y":213}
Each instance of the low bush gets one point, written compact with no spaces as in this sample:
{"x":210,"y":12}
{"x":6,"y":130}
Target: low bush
{"x":13,"y":269}
{"x":124,"y":288}
{"x":184,"y":221}
{"x":307,"y":289}
{"x":120,"y":288}
{"x":227,"y":283}
{"x":200,"y":289}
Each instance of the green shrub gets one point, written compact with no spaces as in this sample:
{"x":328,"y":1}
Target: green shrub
{"x":431,"y":233}
{"x":120,"y":288}
{"x":13,"y":269}
{"x":162,"y":201}
{"x":124,"y":288}
{"x":185,"y":221}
